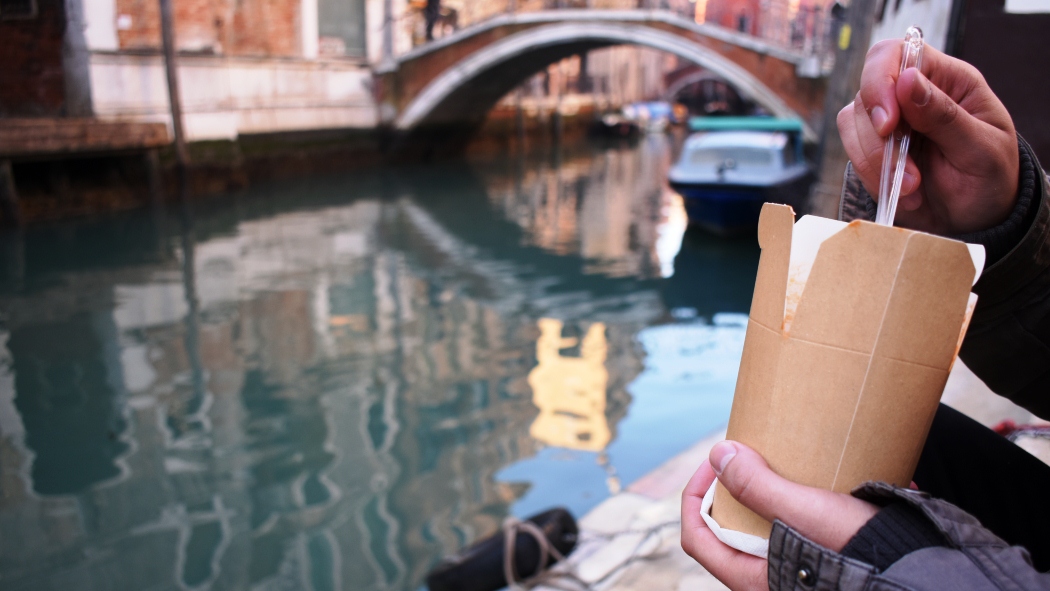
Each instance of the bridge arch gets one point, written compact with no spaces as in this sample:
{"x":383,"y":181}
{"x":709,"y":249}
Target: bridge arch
{"x":676,"y":87}
{"x":448,"y":95}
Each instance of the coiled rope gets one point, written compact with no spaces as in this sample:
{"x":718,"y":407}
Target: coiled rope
{"x":564,"y":579}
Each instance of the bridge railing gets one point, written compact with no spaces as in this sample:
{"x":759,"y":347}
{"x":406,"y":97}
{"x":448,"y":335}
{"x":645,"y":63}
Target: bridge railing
{"x":807,"y":30}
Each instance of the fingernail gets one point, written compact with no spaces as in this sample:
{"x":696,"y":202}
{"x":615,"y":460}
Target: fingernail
{"x":721,"y":454}
{"x":879,"y":118}
{"x":909,"y":183}
{"x":921,"y":92}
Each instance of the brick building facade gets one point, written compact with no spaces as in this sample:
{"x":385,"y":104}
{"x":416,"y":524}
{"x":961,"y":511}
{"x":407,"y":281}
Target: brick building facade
{"x":221,"y":27}
{"x":32,"y":81}
{"x":798,"y":24}
{"x":739,"y":15}
{"x":244,"y":67}
{"x":250,"y":67}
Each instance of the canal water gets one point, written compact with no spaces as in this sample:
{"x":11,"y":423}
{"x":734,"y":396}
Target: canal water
{"x":331,"y":383}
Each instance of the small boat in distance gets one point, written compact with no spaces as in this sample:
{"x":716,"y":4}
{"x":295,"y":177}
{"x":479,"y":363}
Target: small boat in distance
{"x":616,"y":126}
{"x":732,"y":165}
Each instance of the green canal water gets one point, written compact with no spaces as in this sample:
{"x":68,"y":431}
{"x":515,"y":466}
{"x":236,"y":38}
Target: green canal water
{"x":333,"y":382}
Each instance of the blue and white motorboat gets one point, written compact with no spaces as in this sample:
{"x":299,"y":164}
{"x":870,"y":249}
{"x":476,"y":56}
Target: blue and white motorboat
{"x":732,"y":166}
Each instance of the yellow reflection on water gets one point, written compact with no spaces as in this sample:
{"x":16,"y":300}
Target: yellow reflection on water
{"x":570,"y":391}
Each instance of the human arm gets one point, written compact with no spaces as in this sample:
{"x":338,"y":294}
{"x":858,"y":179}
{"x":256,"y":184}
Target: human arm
{"x":972,"y":178}
{"x":812,"y":525}
{"x":748,"y":478}
{"x":961,"y":174}
{"x":1007,"y":344}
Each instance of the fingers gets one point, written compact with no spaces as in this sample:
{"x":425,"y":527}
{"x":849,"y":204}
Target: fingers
{"x":863,"y":165}
{"x":693,"y":496}
{"x":909,"y":202}
{"x":878,"y":80}
{"x":737,"y":570}
{"x":948,"y":101}
{"x":865,"y":149}
{"x":871,"y":146}
{"x":964,"y":139}
{"x":829,"y":519}
{"x":931,"y":112}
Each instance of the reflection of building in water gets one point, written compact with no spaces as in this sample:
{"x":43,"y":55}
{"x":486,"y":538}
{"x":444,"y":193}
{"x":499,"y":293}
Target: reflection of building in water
{"x":608,"y":208}
{"x":570,"y":391}
{"x":356,"y":405}
{"x":71,"y":417}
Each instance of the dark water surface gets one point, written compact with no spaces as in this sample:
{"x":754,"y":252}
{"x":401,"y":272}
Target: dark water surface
{"x":331,"y":383}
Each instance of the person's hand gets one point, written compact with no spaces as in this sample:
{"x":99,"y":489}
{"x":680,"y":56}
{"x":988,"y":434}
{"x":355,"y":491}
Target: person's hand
{"x":827,"y":518}
{"x":961,"y":174}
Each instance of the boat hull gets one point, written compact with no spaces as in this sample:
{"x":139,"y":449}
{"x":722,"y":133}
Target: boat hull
{"x":728,"y":209}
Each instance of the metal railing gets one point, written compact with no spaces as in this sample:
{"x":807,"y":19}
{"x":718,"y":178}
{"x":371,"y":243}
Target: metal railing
{"x":808,"y":30}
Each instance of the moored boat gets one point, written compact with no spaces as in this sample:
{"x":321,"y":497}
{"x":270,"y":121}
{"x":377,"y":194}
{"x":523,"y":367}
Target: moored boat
{"x":733,"y":165}
{"x":616,"y":126}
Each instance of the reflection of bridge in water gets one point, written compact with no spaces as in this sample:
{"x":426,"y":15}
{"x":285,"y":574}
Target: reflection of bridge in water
{"x":452,"y":82}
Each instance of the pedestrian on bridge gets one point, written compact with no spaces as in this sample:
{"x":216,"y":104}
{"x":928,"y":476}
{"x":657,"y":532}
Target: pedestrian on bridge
{"x":431,"y":14}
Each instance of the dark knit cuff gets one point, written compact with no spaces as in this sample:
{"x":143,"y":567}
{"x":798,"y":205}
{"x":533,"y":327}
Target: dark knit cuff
{"x":1001,"y":239}
{"x":895,"y":531}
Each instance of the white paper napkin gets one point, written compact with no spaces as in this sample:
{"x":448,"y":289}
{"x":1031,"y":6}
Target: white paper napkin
{"x":753,"y":545}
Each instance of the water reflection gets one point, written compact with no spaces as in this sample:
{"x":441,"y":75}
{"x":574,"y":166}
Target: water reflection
{"x":331,"y":383}
{"x":569,"y":390}
{"x":610,"y":208}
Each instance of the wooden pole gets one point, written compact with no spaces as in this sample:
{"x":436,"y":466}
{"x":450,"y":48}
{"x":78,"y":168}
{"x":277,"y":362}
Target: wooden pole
{"x":388,"y":32}
{"x":167,"y":28}
{"x":151,"y":162}
{"x":9,"y":196}
{"x":843,"y":85}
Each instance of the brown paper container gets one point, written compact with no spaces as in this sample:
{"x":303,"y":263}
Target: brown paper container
{"x":842,"y":389}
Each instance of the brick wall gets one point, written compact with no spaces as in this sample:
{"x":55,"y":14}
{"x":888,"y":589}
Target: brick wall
{"x":267,"y":27}
{"x":138,"y":24}
{"x":229,"y":27}
{"x":31,"y":78}
{"x":727,"y":13}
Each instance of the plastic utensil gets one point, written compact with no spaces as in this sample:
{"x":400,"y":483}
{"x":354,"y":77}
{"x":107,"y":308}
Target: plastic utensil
{"x":896,"y":152}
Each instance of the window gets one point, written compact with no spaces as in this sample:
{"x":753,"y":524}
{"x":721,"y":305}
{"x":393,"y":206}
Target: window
{"x":738,"y":156}
{"x":1028,"y":6}
{"x":341,"y":27}
{"x":17,"y":9}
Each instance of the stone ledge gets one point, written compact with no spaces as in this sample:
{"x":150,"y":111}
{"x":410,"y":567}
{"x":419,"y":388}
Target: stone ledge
{"x":53,"y":136}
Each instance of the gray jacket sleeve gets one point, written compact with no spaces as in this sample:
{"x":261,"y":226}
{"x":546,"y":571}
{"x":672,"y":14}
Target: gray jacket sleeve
{"x":1007,"y":346}
{"x":1008,"y":342}
{"x":974,"y":559}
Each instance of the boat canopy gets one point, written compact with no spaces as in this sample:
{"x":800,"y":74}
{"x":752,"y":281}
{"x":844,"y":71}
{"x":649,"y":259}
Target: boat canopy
{"x":760,"y":140}
{"x":745,"y":124}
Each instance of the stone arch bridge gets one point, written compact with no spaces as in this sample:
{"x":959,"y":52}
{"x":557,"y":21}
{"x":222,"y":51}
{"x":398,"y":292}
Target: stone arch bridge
{"x":454,"y":81}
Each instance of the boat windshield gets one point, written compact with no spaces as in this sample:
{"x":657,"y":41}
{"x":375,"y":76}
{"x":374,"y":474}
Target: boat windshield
{"x":739,"y":156}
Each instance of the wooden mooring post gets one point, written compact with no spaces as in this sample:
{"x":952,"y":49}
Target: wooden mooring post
{"x":8,"y":196}
{"x":167,"y":29}
{"x":853,"y":42}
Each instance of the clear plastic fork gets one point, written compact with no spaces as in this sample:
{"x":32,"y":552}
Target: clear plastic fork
{"x":897,"y":144}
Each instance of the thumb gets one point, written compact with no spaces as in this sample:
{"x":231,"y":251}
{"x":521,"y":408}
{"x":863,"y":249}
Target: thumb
{"x":828,"y":518}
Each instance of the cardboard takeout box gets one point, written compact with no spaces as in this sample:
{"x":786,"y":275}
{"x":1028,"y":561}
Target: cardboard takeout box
{"x":852,"y":332}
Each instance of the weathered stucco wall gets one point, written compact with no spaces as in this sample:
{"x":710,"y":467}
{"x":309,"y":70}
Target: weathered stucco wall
{"x":225,"y":97}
